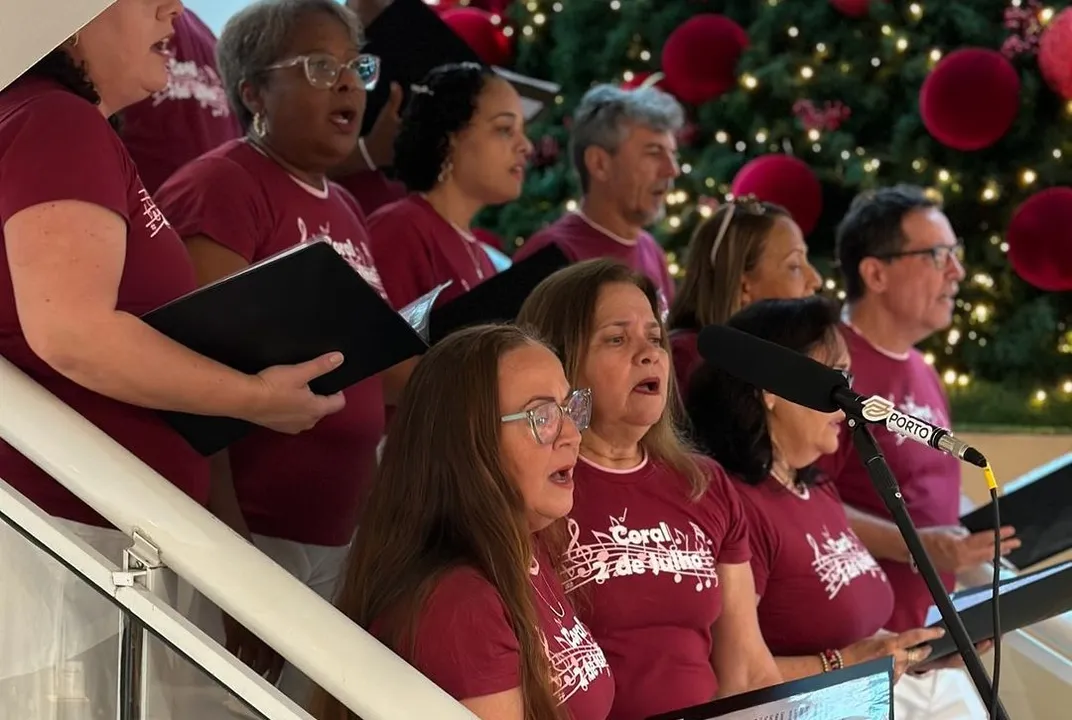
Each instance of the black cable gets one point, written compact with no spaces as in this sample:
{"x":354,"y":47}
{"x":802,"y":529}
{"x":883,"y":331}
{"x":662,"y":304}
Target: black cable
{"x":995,"y":676}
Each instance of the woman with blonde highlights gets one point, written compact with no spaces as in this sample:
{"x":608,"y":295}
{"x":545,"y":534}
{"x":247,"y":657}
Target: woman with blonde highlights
{"x":453,"y":566}
{"x":747,"y":251}
{"x":658,"y":544}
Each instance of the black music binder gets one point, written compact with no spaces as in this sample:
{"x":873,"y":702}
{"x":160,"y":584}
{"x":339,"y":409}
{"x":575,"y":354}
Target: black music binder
{"x":1025,"y":600}
{"x":1039,"y":506}
{"x":500,"y":297}
{"x":411,"y":39}
{"x":859,"y":692}
{"x":287,"y":309}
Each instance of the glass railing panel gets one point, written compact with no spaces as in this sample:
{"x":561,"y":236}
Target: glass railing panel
{"x":69,"y":651}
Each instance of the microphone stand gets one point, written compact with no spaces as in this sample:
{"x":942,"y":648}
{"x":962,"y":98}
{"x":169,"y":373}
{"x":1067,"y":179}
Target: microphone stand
{"x":887,"y":488}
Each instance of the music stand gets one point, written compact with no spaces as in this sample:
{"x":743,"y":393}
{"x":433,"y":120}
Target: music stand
{"x":859,"y":692}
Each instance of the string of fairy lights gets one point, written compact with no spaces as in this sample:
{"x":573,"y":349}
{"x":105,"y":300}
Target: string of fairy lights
{"x":973,"y":320}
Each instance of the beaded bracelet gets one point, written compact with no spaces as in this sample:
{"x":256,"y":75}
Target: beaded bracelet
{"x":832,"y":660}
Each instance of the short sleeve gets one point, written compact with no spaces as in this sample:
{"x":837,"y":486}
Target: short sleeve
{"x":762,"y":540}
{"x":725,"y":503}
{"x":59,"y":147}
{"x":465,"y":643}
{"x":218,"y":198}
{"x":401,"y":253}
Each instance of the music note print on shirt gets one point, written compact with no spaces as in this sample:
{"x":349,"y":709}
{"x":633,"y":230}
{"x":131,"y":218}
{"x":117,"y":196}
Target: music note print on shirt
{"x":838,"y":561}
{"x":575,"y":658}
{"x":623,"y":552}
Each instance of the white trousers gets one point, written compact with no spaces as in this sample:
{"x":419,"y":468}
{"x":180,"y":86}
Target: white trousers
{"x":59,"y":637}
{"x":938,"y":695}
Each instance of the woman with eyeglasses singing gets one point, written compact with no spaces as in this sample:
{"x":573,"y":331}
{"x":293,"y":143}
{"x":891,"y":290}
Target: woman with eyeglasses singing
{"x":747,"y":251}
{"x":657,"y":560}
{"x":822,"y":598}
{"x":297,"y":78}
{"x":454,"y":566}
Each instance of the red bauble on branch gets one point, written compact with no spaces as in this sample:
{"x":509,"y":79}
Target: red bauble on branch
{"x":480,"y":31}
{"x":852,"y":8}
{"x":1040,"y":240}
{"x":700,"y":57}
{"x":1055,"y":54}
{"x":786,"y":181}
{"x":970,"y":99}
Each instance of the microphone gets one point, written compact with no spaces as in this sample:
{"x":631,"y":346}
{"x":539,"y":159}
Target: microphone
{"x":801,"y":380}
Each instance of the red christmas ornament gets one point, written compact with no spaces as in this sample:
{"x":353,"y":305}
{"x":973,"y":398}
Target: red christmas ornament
{"x":1040,"y":240}
{"x":1055,"y":54}
{"x":786,"y":181}
{"x":700,"y":57}
{"x":482,"y":33}
{"x":852,"y":8}
{"x":970,"y":99}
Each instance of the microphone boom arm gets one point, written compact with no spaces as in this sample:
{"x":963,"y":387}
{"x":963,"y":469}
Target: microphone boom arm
{"x":886,"y":485}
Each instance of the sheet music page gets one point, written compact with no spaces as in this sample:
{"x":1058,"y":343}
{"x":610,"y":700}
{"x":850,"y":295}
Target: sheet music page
{"x":418,"y":312}
{"x":866,"y":698}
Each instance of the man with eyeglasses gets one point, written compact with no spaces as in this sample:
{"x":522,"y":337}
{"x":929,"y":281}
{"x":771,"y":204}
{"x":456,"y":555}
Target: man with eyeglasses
{"x":902,"y":266}
{"x":901,"y":263}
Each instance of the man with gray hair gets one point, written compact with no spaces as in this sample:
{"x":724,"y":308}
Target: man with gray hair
{"x":624,"y":150}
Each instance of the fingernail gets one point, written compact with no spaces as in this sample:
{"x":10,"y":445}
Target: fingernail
{"x":335,"y":359}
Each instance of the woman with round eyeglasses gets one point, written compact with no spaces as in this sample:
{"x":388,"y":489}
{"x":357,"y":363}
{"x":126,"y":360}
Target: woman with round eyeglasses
{"x":297,"y":78}
{"x":657,"y":558}
{"x":454,"y":566}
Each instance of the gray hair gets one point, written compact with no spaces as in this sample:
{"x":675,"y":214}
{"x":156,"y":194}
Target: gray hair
{"x":256,"y":37}
{"x":605,"y":113}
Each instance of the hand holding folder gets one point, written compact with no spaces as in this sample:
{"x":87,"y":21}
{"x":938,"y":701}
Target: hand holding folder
{"x":306,"y":302}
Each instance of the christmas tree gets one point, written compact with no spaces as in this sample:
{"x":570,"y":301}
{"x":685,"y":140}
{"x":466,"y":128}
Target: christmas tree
{"x":837,"y":94}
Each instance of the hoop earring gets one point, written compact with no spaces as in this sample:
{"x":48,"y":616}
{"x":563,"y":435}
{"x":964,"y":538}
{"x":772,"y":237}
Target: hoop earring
{"x":445,"y":171}
{"x":74,"y":39}
{"x":260,"y":125}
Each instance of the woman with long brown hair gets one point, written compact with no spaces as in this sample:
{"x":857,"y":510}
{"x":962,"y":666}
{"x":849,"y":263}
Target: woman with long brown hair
{"x":658,"y":547}
{"x":454,"y":562}
{"x":747,"y":251}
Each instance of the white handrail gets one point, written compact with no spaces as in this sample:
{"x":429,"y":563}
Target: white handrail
{"x":152,"y":611}
{"x":303,"y":628}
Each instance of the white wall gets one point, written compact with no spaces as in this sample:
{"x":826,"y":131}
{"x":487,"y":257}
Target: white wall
{"x":216,"y":12}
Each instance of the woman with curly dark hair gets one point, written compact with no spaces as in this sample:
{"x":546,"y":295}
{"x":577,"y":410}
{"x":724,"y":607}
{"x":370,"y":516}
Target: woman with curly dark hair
{"x":84,"y":251}
{"x":461,"y":148}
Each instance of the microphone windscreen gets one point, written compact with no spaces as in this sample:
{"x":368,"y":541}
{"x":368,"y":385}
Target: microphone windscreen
{"x":771,"y":367}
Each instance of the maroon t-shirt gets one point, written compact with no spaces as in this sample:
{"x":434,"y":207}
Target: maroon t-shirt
{"x":466,"y":645}
{"x":56,"y":146}
{"x":644,"y":558}
{"x":188,"y":117}
{"x":686,"y":356}
{"x":303,"y":487}
{"x":929,"y":480}
{"x":416,"y":250}
{"x":819,"y":587}
{"x":580,"y":239}
{"x":372,"y":189}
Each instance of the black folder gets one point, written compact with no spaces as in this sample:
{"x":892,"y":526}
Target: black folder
{"x":1039,"y":506}
{"x":307,"y":301}
{"x":859,"y":692}
{"x":286,"y":309}
{"x":411,"y":40}
{"x":1025,"y":600}
{"x":500,"y":297}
